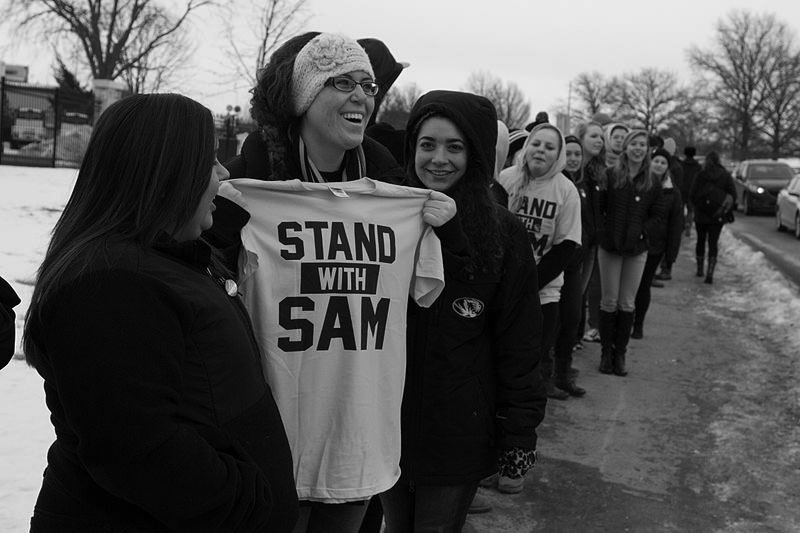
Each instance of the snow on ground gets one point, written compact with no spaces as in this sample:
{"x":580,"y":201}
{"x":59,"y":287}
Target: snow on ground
{"x":31,"y":201}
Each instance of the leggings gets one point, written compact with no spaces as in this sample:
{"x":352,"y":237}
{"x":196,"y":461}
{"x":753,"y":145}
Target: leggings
{"x":710,"y":232}
{"x":619,"y":280}
{"x":643,"y":294}
{"x":549,"y":325}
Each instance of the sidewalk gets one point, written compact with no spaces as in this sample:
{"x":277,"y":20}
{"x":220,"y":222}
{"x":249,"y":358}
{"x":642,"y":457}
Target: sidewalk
{"x":665,"y":448}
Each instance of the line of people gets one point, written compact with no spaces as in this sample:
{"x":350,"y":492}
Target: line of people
{"x":326,"y":333}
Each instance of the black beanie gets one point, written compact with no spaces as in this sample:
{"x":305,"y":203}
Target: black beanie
{"x":689,"y":151}
{"x":663,"y":153}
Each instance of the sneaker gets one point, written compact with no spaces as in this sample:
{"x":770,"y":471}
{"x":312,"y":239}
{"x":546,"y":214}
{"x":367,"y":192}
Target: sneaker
{"x":593,"y":335}
{"x":663,"y":276}
{"x":656,"y":283}
{"x":578,"y":346}
{"x":480,"y":504}
{"x":507,"y":485}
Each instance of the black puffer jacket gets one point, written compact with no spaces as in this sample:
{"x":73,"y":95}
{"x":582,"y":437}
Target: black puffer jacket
{"x":629,"y":216}
{"x":590,"y":187}
{"x":708,"y":193}
{"x":472,"y":383}
{"x":163,"y":420}
{"x":665,"y":238}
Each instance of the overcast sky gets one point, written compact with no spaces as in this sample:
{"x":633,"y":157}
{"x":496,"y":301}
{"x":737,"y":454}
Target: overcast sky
{"x":538,"y":44}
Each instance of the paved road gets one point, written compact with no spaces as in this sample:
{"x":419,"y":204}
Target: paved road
{"x":702,"y":436}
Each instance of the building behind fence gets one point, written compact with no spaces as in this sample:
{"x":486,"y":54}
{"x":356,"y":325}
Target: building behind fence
{"x":50,"y":127}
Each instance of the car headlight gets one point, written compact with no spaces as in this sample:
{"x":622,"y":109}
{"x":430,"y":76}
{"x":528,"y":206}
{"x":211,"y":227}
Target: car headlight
{"x":760,"y":190}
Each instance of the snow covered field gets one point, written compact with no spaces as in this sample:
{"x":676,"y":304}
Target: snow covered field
{"x":30,"y":203}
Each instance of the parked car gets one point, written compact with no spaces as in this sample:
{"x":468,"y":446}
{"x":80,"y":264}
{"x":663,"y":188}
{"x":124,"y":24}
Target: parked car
{"x":787,"y":207}
{"x":758,"y":182}
{"x":793,"y":162}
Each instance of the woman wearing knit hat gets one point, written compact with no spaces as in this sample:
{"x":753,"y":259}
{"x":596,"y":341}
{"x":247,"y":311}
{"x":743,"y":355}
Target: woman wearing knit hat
{"x":473,"y":389}
{"x":312,"y":103}
{"x":631,"y":210}
{"x":665,"y":239}
{"x":549,"y":206}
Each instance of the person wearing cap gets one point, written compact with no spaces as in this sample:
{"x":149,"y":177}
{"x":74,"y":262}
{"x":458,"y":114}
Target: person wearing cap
{"x":664,"y":240}
{"x":312,"y":102}
{"x":676,"y":178}
{"x":549,"y":206}
{"x":516,"y":140}
{"x":473,"y":391}
{"x":631,"y":211}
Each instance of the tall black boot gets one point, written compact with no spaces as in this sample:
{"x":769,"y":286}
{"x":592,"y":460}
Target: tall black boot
{"x":623,"y":335}
{"x":712,"y":264}
{"x":700,"y":259}
{"x":563,"y":379}
{"x":607,"y":322}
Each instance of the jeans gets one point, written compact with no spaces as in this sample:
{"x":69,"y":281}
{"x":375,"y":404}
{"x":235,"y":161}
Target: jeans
{"x":619,"y":280}
{"x":643,"y":294}
{"x":708,"y":232}
{"x":429,"y":509}
{"x":318,"y":517}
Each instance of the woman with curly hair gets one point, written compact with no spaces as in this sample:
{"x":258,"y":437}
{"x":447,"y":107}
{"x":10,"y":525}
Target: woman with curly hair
{"x":340,"y":397}
{"x":473,"y":391}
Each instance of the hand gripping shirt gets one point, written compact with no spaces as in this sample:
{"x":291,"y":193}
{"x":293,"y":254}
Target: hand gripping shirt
{"x":326,"y":271}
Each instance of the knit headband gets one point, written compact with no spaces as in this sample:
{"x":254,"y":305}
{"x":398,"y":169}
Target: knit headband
{"x":325,"y":56}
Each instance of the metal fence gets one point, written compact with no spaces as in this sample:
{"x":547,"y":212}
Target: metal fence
{"x":43,"y":126}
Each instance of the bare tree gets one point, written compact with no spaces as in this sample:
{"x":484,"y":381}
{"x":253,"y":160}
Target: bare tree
{"x":512,"y":107}
{"x":741,"y":60}
{"x":651,"y":99}
{"x":396,"y":106}
{"x":254,"y":30}
{"x":779,"y":117}
{"x":596,"y":93}
{"x":113,"y":36}
{"x":163,"y":67}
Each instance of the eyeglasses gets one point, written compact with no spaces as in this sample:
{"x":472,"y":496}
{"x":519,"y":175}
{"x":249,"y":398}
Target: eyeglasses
{"x":348,"y":85}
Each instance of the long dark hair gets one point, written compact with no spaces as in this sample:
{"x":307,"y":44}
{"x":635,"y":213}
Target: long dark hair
{"x":271,"y":104}
{"x":477,"y":208}
{"x":620,"y":175}
{"x":146,"y":167}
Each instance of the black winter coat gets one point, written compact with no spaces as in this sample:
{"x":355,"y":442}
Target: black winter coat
{"x":691,"y":168}
{"x":590,"y":188}
{"x":629,"y":216}
{"x":162,"y":416}
{"x":475,"y":353}
{"x":708,"y":192}
{"x":665,"y":237}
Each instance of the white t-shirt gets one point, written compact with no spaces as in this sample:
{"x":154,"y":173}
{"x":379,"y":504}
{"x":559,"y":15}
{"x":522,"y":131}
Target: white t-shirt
{"x":325,"y":274}
{"x":550,"y":210}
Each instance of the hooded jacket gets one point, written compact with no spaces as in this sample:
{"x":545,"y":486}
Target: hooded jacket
{"x":550,"y":208}
{"x":666,"y":236}
{"x":472,"y":383}
{"x":711,"y":186}
{"x":387,"y":69}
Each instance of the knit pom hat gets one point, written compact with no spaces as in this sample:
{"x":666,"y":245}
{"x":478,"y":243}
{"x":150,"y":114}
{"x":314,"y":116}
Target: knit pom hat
{"x":663,"y":153}
{"x":325,"y":56}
